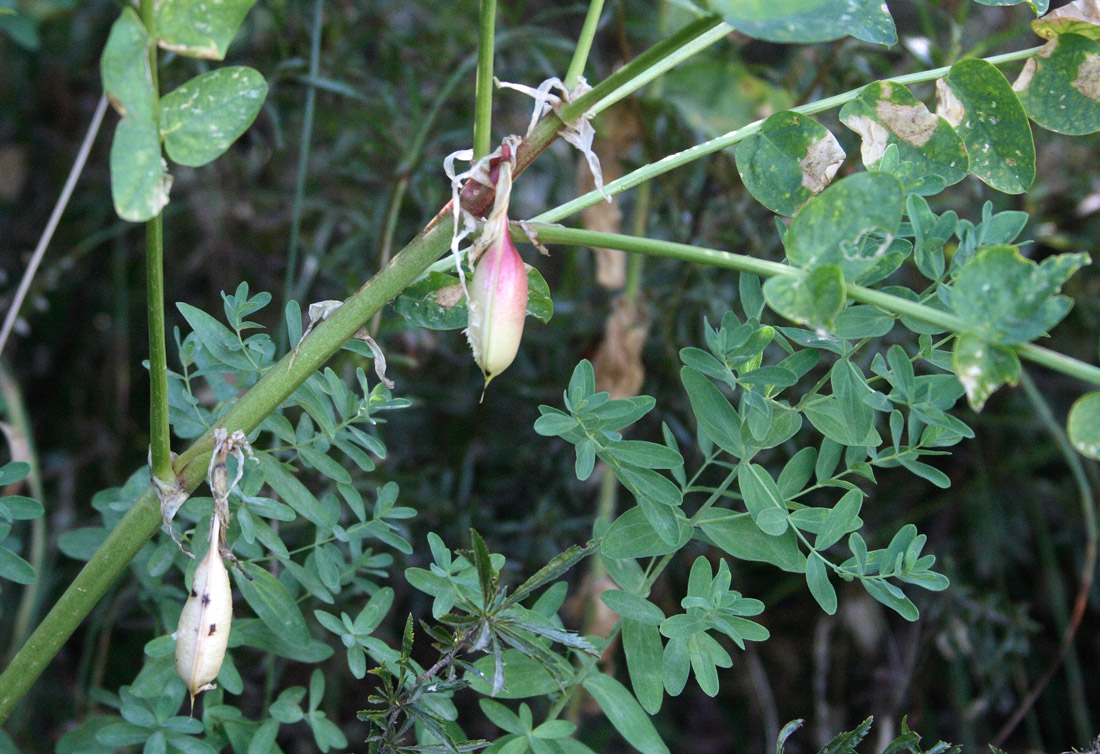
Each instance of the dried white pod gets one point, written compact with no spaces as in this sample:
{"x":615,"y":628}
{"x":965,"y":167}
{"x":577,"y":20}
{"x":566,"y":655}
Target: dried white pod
{"x":203,"y":631}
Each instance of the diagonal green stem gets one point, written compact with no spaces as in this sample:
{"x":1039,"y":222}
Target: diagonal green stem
{"x":885,"y":301}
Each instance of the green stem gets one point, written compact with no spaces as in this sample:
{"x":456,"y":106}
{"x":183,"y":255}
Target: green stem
{"x":679,"y":159}
{"x":160,"y":448}
{"x":649,"y":65}
{"x":160,"y":443}
{"x":584,"y":44}
{"x":483,"y":90}
{"x":635,"y":265}
{"x":885,"y":301}
{"x":303,"y":157}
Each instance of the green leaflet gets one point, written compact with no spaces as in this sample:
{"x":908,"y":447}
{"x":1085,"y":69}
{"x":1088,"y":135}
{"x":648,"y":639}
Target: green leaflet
{"x":983,"y":367}
{"x":139,"y":177}
{"x":1060,"y":86}
{"x":814,"y":299}
{"x":886,"y":113}
{"x":1037,"y":6}
{"x":438,"y":303}
{"x":809,"y":20}
{"x":202,"y":118}
{"x":716,"y":94}
{"x":1083,"y":425}
{"x":200,"y":29}
{"x":833,"y":228}
{"x":124,"y":67}
{"x":1010,"y":299}
{"x":791,"y":159}
{"x":979,"y":102}
{"x":624,"y":712}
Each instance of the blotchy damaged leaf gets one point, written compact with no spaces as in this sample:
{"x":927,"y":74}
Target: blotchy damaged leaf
{"x":200,"y":29}
{"x":983,"y":367}
{"x":979,"y":102}
{"x":802,"y":21}
{"x":887,"y":113}
{"x":139,"y":175}
{"x":1079,"y":17}
{"x":124,"y":67}
{"x":1060,"y":86}
{"x":1083,"y":425}
{"x":790,"y":160}
{"x":815,"y":299}
{"x":1008,"y":299}
{"x":202,"y":118}
{"x":832,"y":227}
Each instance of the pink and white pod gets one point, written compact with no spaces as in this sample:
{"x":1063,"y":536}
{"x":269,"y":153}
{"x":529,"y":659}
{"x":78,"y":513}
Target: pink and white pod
{"x":497,"y":306}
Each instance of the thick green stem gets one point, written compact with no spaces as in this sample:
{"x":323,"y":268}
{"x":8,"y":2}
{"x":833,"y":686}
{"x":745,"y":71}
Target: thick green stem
{"x":483,"y":90}
{"x":160,"y":443}
{"x":885,"y":301}
{"x":679,"y":159}
{"x":584,"y":44}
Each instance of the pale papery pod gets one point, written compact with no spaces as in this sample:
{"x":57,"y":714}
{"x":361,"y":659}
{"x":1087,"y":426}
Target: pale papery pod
{"x":618,"y":360}
{"x":203,"y":630}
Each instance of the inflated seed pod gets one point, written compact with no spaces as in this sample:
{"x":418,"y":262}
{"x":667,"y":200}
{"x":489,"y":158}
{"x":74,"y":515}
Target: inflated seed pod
{"x":203,"y":631}
{"x":498,"y":306}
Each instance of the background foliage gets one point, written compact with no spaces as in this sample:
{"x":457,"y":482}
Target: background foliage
{"x":1008,"y":532}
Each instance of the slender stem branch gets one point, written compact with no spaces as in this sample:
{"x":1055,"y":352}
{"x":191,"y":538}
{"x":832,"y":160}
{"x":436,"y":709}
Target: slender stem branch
{"x":885,"y":301}
{"x":584,"y":44}
{"x":679,"y":159}
{"x":160,"y":443}
{"x":55,"y":218}
{"x":483,"y":90}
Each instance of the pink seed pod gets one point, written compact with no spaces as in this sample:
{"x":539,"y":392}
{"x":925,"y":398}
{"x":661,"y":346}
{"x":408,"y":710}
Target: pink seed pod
{"x":498,"y":305}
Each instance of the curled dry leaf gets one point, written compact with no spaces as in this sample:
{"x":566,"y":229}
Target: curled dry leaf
{"x":823,"y":158}
{"x":1079,"y":17}
{"x":618,"y":361}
